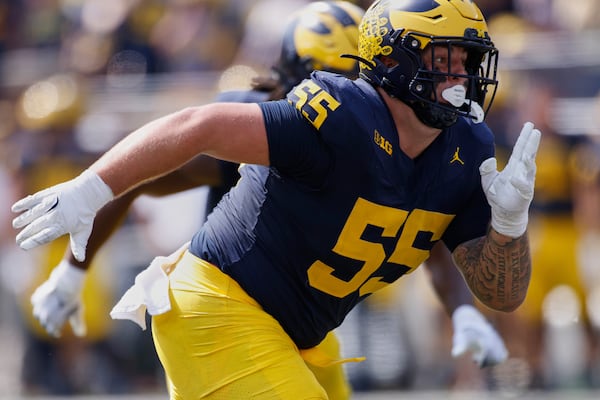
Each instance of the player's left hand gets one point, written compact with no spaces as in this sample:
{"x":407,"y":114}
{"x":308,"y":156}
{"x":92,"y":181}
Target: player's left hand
{"x":510,"y":192}
{"x":69,"y":207}
{"x":472,"y":332}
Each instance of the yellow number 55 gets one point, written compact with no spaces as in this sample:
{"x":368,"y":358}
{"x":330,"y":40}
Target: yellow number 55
{"x":350,"y":245}
{"x":314,"y":102}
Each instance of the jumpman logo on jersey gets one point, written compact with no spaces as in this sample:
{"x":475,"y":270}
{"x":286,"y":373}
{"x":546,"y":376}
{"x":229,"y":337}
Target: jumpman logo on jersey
{"x":456,"y":157}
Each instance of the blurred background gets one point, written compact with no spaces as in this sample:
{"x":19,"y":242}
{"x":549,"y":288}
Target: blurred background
{"x":77,"y":75}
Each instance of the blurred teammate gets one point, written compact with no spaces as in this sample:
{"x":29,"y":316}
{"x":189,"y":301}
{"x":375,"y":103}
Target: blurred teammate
{"x":275,"y":236}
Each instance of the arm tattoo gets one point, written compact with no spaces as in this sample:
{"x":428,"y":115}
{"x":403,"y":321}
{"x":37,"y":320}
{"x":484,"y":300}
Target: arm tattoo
{"x":497,"y":270}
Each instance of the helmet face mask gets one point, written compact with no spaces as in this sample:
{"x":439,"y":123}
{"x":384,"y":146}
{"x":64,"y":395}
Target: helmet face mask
{"x":406,"y":32}
{"x":478,"y":78}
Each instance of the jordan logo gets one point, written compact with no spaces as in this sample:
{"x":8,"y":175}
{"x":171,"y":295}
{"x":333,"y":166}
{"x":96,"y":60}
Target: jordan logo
{"x":456,"y":157}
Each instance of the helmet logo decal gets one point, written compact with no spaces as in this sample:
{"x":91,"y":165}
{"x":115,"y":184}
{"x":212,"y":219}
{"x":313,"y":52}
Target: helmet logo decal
{"x":382,"y":142}
{"x":372,"y":30}
{"x":476,"y":33}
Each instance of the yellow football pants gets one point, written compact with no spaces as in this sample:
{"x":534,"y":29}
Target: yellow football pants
{"x":218,"y":343}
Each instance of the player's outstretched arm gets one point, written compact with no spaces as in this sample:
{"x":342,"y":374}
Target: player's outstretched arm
{"x":497,"y":267}
{"x":234,"y":132}
{"x":229,"y":131}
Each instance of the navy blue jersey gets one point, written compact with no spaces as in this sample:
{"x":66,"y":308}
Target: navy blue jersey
{"x":341,"y":211}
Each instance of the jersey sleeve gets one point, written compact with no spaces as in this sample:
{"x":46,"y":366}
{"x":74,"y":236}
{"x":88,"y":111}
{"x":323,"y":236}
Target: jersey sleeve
{"x":295,"y":147}
{"x":469,"y":224}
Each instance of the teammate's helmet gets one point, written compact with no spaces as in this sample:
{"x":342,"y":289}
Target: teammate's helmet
{"x":316,"y":37}
{"x":403,"y":29}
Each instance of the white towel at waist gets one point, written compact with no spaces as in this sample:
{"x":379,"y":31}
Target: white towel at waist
{"x":150,"y":291}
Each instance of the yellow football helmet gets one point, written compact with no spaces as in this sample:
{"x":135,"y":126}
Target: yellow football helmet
{"x":315,"y":38}
{"x":403,"y":29}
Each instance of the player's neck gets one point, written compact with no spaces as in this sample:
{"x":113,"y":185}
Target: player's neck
{"x":413,"y":135}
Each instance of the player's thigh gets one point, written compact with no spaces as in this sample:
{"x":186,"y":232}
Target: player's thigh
{"x":217,"y":345}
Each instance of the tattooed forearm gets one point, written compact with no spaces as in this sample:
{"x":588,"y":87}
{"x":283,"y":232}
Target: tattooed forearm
{"x":496,"y":268}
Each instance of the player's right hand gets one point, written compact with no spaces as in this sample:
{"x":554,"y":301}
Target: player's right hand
{"x":59,"y":299}
{"x":69,"y":207}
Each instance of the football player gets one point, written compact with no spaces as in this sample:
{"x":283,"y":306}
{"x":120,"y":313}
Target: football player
{"x":346,"y":186}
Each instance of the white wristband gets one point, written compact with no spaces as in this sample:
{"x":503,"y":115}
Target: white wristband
{"x":96,"y":192}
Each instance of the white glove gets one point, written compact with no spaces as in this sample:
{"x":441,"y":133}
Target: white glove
{"x":59,"y":299}
{"x":69,"y":207}
{"x":510,"y":192}
{"x":472,"y":332}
